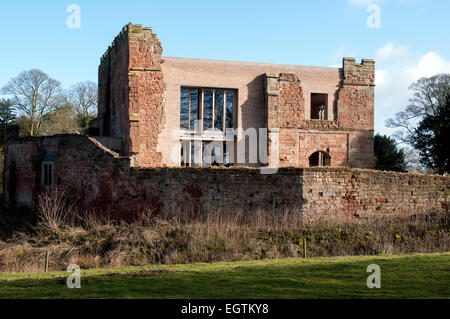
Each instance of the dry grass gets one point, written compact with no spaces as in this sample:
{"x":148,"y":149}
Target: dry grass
{"x":84,"y":238}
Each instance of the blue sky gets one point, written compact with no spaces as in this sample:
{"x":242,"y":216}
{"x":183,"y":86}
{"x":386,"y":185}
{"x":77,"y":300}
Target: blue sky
{"x":412,"y":40}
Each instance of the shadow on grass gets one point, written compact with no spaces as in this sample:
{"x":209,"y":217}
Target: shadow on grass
{"x":414,"y":276}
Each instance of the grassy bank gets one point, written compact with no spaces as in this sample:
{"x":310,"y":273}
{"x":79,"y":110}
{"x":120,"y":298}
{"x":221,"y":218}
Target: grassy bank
{"x":77,"y":237}
{"x":402,"y":276}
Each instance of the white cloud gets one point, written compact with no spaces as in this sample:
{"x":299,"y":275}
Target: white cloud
{"x":390,"y":51}
{"x":396,"y":69}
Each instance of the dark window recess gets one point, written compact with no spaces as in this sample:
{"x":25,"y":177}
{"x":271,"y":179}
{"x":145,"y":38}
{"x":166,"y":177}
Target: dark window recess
{"x":319,"y":159}
{"x":47,"y":174}
{"x":319,"y":106}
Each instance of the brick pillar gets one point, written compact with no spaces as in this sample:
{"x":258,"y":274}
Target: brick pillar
{"x":284,"y":112}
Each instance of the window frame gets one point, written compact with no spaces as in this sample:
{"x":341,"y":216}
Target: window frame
{"x":200,"y":112}
{"x":47,"y":178}
{"x":201,"y":135}
{"x":326,"y":104}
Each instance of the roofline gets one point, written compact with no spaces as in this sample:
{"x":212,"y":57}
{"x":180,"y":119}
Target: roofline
{"x":250,"y":62}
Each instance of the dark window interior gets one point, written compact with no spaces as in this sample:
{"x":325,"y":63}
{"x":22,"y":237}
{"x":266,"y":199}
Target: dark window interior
{"x":319,"y":159}
{"x":319,"y":106}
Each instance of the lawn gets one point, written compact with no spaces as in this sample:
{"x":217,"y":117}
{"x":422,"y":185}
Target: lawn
{"x":402,"y":276}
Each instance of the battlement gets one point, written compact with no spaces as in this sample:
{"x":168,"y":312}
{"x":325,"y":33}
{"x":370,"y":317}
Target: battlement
{"x":132,"y":32}
{"x":358,"y":73}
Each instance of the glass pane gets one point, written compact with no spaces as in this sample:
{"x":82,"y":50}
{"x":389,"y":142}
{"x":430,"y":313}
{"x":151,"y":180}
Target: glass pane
{"x":226,"y":153}
{"x":184,"y":108}
{"x":216,"y":153}
{"x":50,"y":174}
{"x":45,"y":175}
{"x":207,"y":109}
{"x":218,"y":110}
{"x":196,"y":153}
{"x":194,"y":110}
{"x":206,"y":156}
{"x":229,"y":110}
{"x":185,"y":153}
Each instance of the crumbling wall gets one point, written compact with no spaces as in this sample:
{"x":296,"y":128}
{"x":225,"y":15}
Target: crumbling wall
{"x":339,"y":194}
{"x":356,"y":96}
{"x":131,"y":94}
{"x":113,"y":100}
{"x":82,"y":168}
{"x":98,"y":179}
{"x":348,"y":139}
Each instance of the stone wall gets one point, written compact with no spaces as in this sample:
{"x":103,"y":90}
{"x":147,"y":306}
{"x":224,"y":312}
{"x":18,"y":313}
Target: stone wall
{"x":320,"y":193}
{"x":356,"y":96}
{"x":82,"y":166}
{"x":248,"y":79}
{"x":100,"y":179}
{"x":347,"y":140}
{"x":131,"y":94}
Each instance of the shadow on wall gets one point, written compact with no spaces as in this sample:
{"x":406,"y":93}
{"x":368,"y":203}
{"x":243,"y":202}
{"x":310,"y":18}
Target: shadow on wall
{"x":361,"y":150}
{"x":252,"y":111}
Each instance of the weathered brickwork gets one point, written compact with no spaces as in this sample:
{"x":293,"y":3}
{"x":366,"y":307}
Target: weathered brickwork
{"x":131,"y":91}
{"x":130,"y":163}
{"x":356,"y":97}
{"x":348,"y":140}
{"x":320,"y":193}
{"x":81,"y":166}
{"x":100,"y":179}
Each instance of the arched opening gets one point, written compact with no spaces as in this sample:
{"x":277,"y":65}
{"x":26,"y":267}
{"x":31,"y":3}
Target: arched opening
{"x":319,"y":158}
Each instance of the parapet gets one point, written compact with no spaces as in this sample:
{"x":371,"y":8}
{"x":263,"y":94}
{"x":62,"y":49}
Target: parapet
{"x":358,"y":73}
{"x":132,"y":32}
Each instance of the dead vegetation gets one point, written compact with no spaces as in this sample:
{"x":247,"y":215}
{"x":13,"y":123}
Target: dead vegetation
{"x":92,"y":241}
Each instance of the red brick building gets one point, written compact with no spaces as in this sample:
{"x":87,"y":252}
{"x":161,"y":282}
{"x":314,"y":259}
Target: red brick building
{"x":320,"y":116}
{"x":156,"y":112}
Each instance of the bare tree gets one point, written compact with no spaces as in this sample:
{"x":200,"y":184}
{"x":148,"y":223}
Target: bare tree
{"x":429,"y":96}
{"x":83,"y":97}
{"x":34,"y":94}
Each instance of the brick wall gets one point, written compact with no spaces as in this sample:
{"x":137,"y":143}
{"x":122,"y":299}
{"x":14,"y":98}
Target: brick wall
{"x":249,"y":81}
{"x":139,"y":101}
{"x":131,"y":94}
{"x":82,"y":167}
{"x":320,"y":193}
{"x":356,"y":96}
{"x":347,"y":140}
{"x":101,"y":179}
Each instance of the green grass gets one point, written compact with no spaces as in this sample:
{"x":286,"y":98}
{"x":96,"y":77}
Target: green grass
{"x":402,"y":276}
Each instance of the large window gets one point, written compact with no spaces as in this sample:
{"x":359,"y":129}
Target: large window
{"x":212,"y":107}
{"x":205,"y":115}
